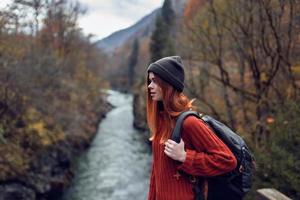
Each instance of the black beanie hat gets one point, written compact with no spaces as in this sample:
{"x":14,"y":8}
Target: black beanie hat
{"x":171,"y":70}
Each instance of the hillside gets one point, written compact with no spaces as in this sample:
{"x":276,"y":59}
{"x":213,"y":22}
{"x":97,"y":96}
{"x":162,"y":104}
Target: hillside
{"x":142,"y":28}
{"x":118,"y":46}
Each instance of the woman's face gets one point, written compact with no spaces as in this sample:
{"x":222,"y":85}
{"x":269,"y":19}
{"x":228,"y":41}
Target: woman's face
{"x":154,"y":89}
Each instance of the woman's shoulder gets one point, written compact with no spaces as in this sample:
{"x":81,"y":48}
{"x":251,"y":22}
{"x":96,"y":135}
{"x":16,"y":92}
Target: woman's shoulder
{"x":193,"y":128}
{"x":191,"y":121}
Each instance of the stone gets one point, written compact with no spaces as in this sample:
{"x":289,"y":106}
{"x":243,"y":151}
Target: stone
{"x":270,"y":194}
{"x":16,"y":191}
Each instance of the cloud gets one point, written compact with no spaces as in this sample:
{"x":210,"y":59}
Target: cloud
{"x":106,"y":16}
{"x":102,"y":24}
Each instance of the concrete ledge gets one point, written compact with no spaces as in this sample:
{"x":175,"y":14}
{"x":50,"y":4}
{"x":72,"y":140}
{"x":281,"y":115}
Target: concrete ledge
{"x":270,"y":194}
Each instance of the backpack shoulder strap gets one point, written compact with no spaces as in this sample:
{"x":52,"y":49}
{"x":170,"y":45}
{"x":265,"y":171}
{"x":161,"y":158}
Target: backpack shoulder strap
{"x":176,"y":134}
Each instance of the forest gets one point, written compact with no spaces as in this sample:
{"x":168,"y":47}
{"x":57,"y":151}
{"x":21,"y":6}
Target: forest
{"x":242,"y":67}
{"x":50,"y":98}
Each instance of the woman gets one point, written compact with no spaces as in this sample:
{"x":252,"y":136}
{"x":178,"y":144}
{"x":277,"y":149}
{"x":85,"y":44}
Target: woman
{"x":200,"y":152}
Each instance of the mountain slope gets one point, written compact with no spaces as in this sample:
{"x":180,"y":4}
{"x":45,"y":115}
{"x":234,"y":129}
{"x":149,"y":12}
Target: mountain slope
{"x":118,"y":47}
{"x":143,"y":27}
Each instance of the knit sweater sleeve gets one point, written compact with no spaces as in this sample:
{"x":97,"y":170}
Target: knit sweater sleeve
{"x":211,"y":156}
{"x":152,"y":191}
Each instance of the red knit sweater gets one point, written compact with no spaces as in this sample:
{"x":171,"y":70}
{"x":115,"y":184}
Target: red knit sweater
{"x":206,"y":155}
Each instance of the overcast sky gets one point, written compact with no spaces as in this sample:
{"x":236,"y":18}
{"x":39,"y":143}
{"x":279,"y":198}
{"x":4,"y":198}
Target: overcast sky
{"x":104,"y":17}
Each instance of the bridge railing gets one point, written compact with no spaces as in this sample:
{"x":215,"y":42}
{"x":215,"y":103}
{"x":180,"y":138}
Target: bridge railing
{"x":270,"y":194}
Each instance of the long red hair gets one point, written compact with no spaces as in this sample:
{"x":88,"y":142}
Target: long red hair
{"x":162,"y":122}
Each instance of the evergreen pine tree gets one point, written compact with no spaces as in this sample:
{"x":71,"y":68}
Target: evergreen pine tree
{"x":167,"y":12}
{"x":161,"y":41}
{"x":133,"y":59}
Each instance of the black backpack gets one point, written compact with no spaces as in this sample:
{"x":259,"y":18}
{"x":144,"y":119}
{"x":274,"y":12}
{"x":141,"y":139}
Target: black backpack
{"x":232,"y":185}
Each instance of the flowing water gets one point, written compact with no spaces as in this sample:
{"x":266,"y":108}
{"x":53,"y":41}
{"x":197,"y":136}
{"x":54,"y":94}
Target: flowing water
{"x":117,"y":164}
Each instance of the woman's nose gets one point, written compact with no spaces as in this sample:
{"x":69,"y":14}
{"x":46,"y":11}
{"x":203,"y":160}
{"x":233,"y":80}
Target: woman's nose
{"x":150,"y":85}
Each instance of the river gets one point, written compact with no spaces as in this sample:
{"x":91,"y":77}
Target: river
{"x":117,"y":164}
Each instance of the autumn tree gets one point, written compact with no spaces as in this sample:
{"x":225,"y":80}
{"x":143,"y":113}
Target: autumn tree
{"x":49,"y":82}
{"x":242,"y":60}
{"x":246,"y":47}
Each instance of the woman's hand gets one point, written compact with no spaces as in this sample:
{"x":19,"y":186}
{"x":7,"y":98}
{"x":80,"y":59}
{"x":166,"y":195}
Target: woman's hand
{"x":174,"y":150}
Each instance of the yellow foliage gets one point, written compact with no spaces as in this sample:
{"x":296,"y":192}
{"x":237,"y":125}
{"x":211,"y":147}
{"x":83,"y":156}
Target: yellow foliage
{"x":60,"y":135}
{"x":38,"y":130}
{"x":32,"y":114}
{"x":13,"y":161}
{"x":38,"y":127}
{"x":17,"y":51}
{"x":205,"y":24}
{"x":296,"y":69}
{"x":222,"y":5}
{"x":264,"y":76}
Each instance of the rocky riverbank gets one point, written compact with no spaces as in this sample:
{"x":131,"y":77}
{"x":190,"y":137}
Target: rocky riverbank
{"x":49,"y":170}
{"x":139,"y":107}
{"x":139,"y":110}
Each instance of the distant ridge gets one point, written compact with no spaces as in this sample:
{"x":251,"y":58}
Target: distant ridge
{"x":143,"y":27}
